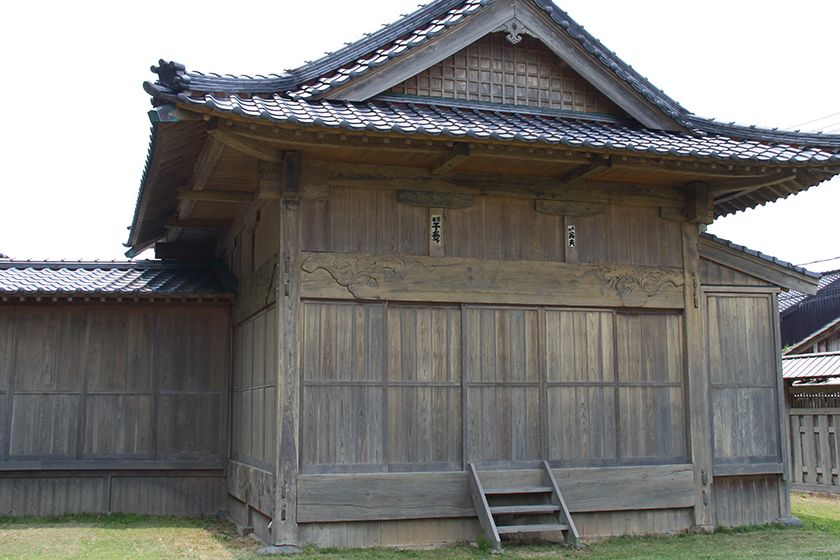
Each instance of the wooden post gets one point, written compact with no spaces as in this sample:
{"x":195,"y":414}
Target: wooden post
{"x":698,"y":382}
{"x":284,"y":523}
{"x":784,"y":416}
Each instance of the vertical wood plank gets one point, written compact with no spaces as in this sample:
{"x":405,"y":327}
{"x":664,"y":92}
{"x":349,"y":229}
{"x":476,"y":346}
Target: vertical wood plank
{"x":784,"y":420}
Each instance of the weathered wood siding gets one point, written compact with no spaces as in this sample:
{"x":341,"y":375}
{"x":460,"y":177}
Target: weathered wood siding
{"x":254,"y":397}
{"x":373,"y":221}
{"x":815,"y":449}
{"x":714,"y":274}
{"x":748,"y":434}
{"x":747,"y":500}
{"x":253,"y":429}
{"x":492,"y":70}
{"x":744,"y":377}
{"x":395,"y":387}
{"x":96,"y":389}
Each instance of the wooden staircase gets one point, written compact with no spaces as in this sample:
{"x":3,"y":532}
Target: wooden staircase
{"x":529,"y":507}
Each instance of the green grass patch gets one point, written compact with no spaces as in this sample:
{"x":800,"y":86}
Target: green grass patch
{"x":119,"y":537}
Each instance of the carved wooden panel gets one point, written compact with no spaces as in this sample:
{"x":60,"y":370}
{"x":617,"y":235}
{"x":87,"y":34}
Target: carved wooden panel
{"x":346,"y":276}
{"x":493,"y":70}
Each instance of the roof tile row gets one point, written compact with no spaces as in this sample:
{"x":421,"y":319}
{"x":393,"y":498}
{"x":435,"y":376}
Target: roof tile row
{"x":142,"y":278}
{"x":436,"y":118}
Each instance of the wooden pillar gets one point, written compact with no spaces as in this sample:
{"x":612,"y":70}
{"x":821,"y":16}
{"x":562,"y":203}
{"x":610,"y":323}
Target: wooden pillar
{"x":284,"y":523}
{"x":698,"y":382}
{"x":784,"y":415}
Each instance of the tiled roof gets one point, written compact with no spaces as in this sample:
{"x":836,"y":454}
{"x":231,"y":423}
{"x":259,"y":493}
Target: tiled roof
{"x":137,"y":279}
{"x":454,"y":120}
{"x":811,"y":366}
{"x":317,"y":78}
{"x":788,"y":300}
{"x":760,"y":255}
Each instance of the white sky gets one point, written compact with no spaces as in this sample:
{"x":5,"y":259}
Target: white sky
{"x":75,"y":132}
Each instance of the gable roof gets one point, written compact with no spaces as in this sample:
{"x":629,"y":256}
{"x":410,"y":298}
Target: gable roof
{"x":79,"y":279}
{"x":321,"y":95}
{"x":316,"y":79}
{"x":757,"y":264}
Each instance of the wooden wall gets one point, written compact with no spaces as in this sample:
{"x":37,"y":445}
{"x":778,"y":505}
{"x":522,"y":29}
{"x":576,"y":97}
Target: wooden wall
{"x":390,"y":387}
{"x":714,"y":274}
{"x":492,"y":70}
{"x":92,"y":392}
{"x":749,"y":434}
{"x":373,"y":221}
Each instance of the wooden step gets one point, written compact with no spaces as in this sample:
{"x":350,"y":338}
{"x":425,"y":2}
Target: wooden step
{"x":524,"y":510}
{"x":518,"y":490}
{"x":549,"y":528}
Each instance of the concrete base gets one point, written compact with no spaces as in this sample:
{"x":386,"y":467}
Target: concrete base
{"x":789,"y":521}
{"x":276,"y":550}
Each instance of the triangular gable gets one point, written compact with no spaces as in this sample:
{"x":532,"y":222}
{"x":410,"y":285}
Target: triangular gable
{"x":604,"y":75}
{"x":509,"y":68}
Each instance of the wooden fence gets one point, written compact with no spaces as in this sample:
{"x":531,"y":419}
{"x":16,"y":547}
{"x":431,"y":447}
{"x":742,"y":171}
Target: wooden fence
{"x":815,"y":446}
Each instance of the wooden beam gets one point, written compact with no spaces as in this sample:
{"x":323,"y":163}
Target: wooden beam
{"x":184,"y":251}
{"x":224,"y":197}
{"x":207,"y":162}
{"x":197,"y":223}
{"x":453,"y":159}
{"x":296,"y":139}
{"x":576,"y":209}
{"x":269,"y":180}
{"x":427,"y":199}
{"x":263,"y":151}
{"x":736,"y":186}
{"x":739,"y":188}
{"x":292,"y":168}
{"x":699,"y":206}
{"x":584,"y":171}
{"x":343,"y":276}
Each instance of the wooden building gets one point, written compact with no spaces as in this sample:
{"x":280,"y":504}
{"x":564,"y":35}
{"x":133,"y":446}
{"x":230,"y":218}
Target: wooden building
{"x":113,"y":388}
{"x":811,"y":322}
{"x":473,"y":294}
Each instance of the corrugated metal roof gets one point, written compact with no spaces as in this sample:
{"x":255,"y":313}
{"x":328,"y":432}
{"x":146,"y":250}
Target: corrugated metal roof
{"x":811,"y":366}
{"x":138,"y":279}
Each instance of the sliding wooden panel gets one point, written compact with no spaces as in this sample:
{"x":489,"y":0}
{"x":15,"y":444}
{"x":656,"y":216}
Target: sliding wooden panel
{"x":502,"y":374}
{"x":651,"y":392}
{"x":581,"y":421}
{"x":742,"y":362}
{"x":424,"y":388}
{"x":343,"y":369}
{"x":254,"y":391}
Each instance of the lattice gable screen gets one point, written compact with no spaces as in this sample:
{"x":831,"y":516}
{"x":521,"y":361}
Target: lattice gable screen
{"x":493,"y":70}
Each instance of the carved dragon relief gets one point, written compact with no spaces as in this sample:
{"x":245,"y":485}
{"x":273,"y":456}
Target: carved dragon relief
{"x":354,"y":274}
{"x":625,"y":281}
{"x":364,"y":277}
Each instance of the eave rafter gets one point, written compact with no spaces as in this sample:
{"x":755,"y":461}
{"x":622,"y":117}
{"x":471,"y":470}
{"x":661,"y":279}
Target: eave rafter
{"x":284,"y":138}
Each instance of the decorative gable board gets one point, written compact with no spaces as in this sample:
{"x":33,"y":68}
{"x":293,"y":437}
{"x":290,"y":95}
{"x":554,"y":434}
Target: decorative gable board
{"x":495,"y":70}
{"x":517,"y":18}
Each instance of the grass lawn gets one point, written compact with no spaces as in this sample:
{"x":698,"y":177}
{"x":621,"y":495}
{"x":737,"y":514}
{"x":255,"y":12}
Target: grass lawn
{"x":123,"y":537}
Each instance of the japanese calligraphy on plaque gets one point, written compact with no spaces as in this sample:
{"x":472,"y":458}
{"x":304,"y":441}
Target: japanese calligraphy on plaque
{"x":435,"y":232}
{"x":571,"y":236}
